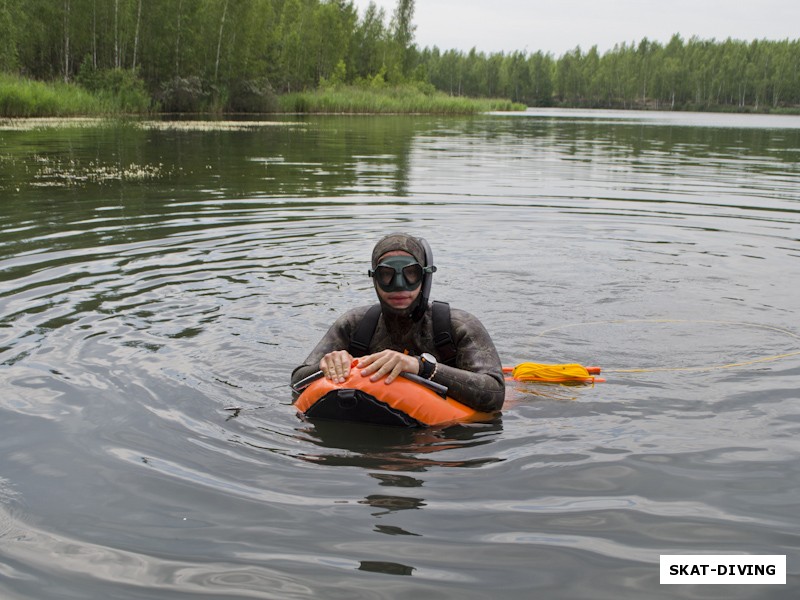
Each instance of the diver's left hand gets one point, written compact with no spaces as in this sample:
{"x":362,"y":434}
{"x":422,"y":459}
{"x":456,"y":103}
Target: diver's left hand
{"x":389,"y":364}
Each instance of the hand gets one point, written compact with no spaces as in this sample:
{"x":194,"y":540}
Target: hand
{"x":389,"y":364}
{"x":336,"y":365}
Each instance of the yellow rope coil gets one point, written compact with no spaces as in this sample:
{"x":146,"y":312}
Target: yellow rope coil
{"x":552,"y":373}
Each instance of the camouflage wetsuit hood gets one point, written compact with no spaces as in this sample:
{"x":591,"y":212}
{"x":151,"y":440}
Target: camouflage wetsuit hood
{"x":393,"y":243}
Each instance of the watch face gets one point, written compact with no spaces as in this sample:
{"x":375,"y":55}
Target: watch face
{"x":429,"y":358}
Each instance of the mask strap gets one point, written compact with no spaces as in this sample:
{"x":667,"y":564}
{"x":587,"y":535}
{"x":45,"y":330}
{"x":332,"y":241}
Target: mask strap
{"x":427,"y":277}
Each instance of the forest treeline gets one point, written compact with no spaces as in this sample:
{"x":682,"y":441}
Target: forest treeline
{"x":238,"y":54}
{"x":696,"y":74}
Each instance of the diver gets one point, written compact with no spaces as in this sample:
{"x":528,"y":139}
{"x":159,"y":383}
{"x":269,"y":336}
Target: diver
{"x":404,"y":333}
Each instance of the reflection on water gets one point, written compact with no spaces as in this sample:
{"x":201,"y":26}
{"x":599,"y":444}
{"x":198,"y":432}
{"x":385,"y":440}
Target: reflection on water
{"x":396,"y":448}
{"x":385,"y":567}
{"x":160,"y":283}
{"x":389,"y":504}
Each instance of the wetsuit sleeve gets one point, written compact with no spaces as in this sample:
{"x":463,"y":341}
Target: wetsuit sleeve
{"x":476,"y":379}
{"x":337,"y":338}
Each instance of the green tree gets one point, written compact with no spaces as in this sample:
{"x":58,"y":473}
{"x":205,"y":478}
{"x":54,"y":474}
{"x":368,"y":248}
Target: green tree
{"x":474,"y":74}
{"x":369,"y":46}
{"x":785,"y":74}
{"x":292,"y":57}
{"x":256,"y":53}
{"x":9,"y":17}
{"x":646,"y":53}
{"x":591,"y":75}
{"x":214,"y":47}
{"x":540,"y":67}
{"x":569,"y":78}
{"x":518,"y":76}
{"x":334,"y":22}
{"x":673,"y":72}
{"x":402,"y":36}
{"x":494,"y":66}
{"x":446,"y":74}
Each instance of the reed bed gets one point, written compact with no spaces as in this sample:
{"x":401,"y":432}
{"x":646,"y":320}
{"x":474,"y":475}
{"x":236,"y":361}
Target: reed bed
{"x":27,"y":98}
{"x":24,"y":98}
{"x":389,"y":100}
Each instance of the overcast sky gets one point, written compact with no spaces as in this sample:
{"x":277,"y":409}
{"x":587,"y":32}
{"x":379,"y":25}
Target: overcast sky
{"x":557,"y":26}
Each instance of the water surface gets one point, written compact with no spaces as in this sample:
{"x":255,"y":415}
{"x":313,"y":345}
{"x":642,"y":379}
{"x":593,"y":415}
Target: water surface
{"x":161,"y":280}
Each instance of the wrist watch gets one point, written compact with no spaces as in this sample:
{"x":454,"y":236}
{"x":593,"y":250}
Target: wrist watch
{"x":427,"y":365}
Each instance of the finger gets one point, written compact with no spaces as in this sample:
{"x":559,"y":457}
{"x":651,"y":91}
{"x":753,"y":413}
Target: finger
{"x":373,"y":362}
{"x":341,"y":366}
{"x":386,"y":367}
{"x":395,"y":372}
{"x":325,"y":366}
{"x":336,"y":365}
{"x":366,"y":361}
{"x":331,"y":369}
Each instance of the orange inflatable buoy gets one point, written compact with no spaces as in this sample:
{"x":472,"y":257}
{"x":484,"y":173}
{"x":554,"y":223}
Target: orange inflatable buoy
{"x":403,"y":402}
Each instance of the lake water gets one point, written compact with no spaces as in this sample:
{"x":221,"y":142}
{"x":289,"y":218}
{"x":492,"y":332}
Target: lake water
{"x":161,"y":279}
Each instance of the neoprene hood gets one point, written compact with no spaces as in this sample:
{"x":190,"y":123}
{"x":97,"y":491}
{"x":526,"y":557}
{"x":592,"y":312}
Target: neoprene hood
{"x":421,"y":251}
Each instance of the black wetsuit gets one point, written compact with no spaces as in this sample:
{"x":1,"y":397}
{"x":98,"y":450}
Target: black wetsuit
{"x":476,"y":377}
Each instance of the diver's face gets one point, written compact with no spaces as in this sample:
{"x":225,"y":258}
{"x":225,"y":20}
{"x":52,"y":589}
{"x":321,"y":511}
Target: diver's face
{"x":399,"y":299}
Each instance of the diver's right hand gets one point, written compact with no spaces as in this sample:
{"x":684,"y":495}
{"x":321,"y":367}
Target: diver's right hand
{"x":336,"y":365}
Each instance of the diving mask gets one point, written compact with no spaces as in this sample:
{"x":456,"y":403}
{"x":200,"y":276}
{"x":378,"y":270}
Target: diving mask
{"x":399,"y":273}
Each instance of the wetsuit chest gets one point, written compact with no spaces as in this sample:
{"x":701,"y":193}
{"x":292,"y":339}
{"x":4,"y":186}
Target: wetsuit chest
{"x":442,"y":332}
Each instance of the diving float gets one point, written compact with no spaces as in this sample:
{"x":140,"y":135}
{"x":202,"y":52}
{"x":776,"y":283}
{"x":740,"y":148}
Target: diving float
{"x":409,"y":401}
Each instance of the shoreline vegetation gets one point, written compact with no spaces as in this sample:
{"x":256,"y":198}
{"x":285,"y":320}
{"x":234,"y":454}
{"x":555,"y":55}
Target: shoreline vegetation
{"x":131,"y":57}
{"x":21,"y":98}
{"x":401,"y":99}
{"x":27,"y":98}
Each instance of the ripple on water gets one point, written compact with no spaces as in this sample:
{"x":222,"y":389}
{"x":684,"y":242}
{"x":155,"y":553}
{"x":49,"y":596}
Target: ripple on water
{"x":146,"y":337}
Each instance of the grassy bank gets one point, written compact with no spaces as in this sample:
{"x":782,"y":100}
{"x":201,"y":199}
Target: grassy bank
{"x":28,"y":98}
{"x":409,"y":99}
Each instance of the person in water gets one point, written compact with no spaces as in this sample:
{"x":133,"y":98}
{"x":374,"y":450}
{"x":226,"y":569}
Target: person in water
{"x":404,"y":336}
